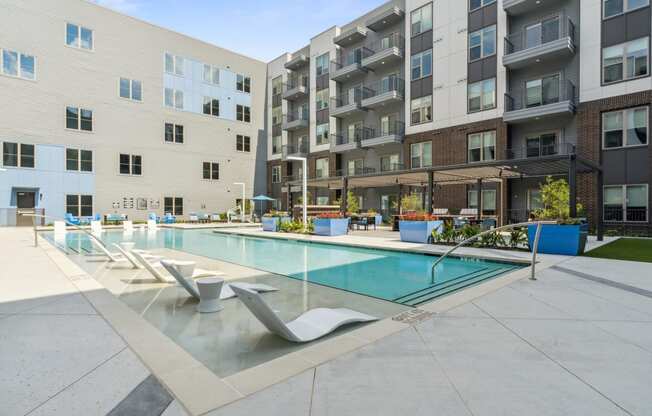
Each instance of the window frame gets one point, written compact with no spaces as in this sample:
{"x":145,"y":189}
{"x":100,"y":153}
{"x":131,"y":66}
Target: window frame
{"x":538,"y":136}
{"x":477,"y":202}
{"x":421,"y":146}
{"x":276,"y":173}
{"x":131,"y":164}
{"x":482,"y":94}
{"x":624,"y":12}
{"x":175,"y":96}
{"x":78,"y":205}
{"x":79,"y":160}
{"x":213,"y":106}
{"x":483,"y":145}
{"x":482,"y":43}
{"x":243,"y":83}
{"x":624,"y":112}
{"x":325,"y":66}
{"x":419,"y":11}
{"x":243,"y":114}
{"x":624,"y":62}
{"x":245,"y":145}
{"x":420,"y":57}
{"x":79,"y":119}
{"x":317,"y":170}
{"x":131,"y":90}
{"x":213,"y":168}
{"x":320,"y":138}
{"x":19,"y":155}
{"x":483,"y":3}
{"x":19,"y":65}
{"x":175,"y":134}
{"x":422,"y":110}
{"x":174,"y":204}
{"x":625,"y":200}
{"x":78,"y":45}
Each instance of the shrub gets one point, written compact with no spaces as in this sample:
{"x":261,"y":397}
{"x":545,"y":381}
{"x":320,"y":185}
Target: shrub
{"x":517,"y":237}
{"x":555,"y":196}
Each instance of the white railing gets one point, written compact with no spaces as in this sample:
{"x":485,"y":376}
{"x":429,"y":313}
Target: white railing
{"x":34,"y":216}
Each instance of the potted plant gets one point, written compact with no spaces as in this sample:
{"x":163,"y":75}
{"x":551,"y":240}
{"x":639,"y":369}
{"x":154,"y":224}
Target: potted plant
{"x":568,"y":236}
{"x":272,"y":220}
{"x":419,"y":227}
{"x":378,"y":219}
{"x":331,"y":224}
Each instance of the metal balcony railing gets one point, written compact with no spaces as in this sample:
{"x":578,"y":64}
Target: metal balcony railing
{"x":519,"y":99}
{"x":383,"y":86}
{"x":564,"y":146}
{"x":357,"y":171}
{"x":299,"y":115}
{"x":353,"y":57}
{"x":547,"y":30}
{"x":353,"y":96}
{"x":352,"y":136}
{"x":394,"y":40}
{"x":387,"y":128}
{"x":296,"y":82}
{"x":296,"y":147}
{"x":391,"y":167}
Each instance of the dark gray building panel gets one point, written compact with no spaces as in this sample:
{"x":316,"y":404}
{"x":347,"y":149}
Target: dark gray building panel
{"x":629,"y":26}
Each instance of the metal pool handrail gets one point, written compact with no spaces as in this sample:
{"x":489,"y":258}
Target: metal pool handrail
{"x":504,"y":227}
{"x":34,"y":216}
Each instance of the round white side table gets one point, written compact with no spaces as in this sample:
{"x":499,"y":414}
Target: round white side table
{"x":209,"y":294}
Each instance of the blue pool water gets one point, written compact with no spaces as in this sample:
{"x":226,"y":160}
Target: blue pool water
{"x":395,"y":276}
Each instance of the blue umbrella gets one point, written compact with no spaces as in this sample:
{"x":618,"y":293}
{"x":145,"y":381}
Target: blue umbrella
{"x":262,"y":198}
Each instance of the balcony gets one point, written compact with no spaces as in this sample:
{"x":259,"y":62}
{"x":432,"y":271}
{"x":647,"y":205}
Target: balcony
{"x":518,"y":7}
{"x":351,"y":36}
{"x":391,"y":131}
{"x":296,"y":120}
{"x":358,"y":171}
{"x":549,"y":39}
{"x":385,"y":19}
{"x":386,"y":91}
{"x":347,"y":104}
{"x":540,"y":99}
{"x":541,"y":147}
{"x":297,"y":62}
{"x":384,"y":52}
{"x":349,"y":65}
{"x":296,"y":88}
{"x":349,"y":139}
{"x":297,"y":147}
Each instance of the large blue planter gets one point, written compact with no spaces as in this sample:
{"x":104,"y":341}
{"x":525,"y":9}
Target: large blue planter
{"x":418,"y":231}
{"x":273,"y":223}
{"x":331,"y":226}
{"x":379,"y":219}
{"x":568,"y":240}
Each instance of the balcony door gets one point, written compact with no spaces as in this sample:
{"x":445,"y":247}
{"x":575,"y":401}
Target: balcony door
{"x":542,"y":32}
{"x":387,"y":124}
{"x":542,"y":91}
{"x":354,"y":131}
{"x":541,"y":145}
{"x":354,"y":94}
{"x":389,"y":83}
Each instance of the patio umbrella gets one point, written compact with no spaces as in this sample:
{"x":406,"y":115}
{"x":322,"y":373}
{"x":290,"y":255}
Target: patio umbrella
{"x":261,"y":198}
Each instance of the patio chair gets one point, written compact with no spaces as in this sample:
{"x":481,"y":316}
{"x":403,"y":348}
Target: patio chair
{"x":154,"y":268}
{"x":215,"y":217}
{"x":203,"y":217}
{"x":169,"y":218}
{"x":153,"y":217}
{"x":307,"y":327}
{"x":151,"y":225}
{"x":469,"y":212}
{"x":192,"y":217}
{"x":440,"y":211}
{"x":60,"y":228}
{"x":71,"y":219}
{"x":96,"y":227}
{"x":226,"y":293}
{"x":129,"y":256}
{"x":113,"y":257}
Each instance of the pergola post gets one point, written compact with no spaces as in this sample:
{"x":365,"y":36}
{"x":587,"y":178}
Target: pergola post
{"x":598,"y":216}
{"x":429,"y":191}
{"x":572,"y":185}
{"x":345,"y":194}
{"x":480,"y":199}
{"x":400,"y":197}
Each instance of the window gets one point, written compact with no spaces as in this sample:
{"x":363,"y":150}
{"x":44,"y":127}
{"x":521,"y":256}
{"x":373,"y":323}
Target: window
{"x":321,"y":168}
{"x":211,"y":74}
{"x":322,"y":134}
{"x":476,"y":4}
{"x":421,"y":155}
{"x":625,"y":61}
{"x":131,"y":89}
{"x":211,"y":106}
{"x":482,"y":146}
{"x":324,"y":200}
{"x":355,"y":167}
{"x":421,"y":19}
{"x":541,"y":145}
{"x":390,"y":163}
{"x":174,"y":64}
{"x":321,"y":64}
{"x":615,"y":7}
{"x":534,"y":201}
{"x":131,"y":164}
{"x":276,"y":174}
{"x":79,"y":119}
{"x":16,"y":64}
{"x":173,"y":205}
{"x":173,"y":133}
{"x":625,"y":128}
{"x":482,"y":95}
{"x":277,"y":85}
{"x":18,"y":155}
{"x":542,"y":32}
{"x":276,"y":144}
{"x":242,"y":143}
{"x":243,"y":113}
{"x":542,"y":91}
{"x":321,"y":99}
{"x":421,"y":111}
{"x":79,"y":160}
{"x":79,"y":37}
{"x":174,"y":98}
{"x":277,"y":115}
{"x":79,"y":205}
{"x":482,"y":43}
{"x":488,"y":200}
{"x":211,"y":171}
{"x":626,"y":203}
{"x":422,"y":65}
{"x":243,"y":83}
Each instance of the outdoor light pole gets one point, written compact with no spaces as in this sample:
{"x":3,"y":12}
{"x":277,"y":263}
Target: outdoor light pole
{"x":304,"y":164}
{"x":242,"y":205}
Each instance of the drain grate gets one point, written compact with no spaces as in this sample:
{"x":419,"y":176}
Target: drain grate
{"x":413,"y":316}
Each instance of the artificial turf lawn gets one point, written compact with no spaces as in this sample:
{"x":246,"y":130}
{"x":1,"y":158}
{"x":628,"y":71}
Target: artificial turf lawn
{"x":634,"y":249}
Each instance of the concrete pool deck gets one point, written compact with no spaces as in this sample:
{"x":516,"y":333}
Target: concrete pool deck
{"x":576,"y":341}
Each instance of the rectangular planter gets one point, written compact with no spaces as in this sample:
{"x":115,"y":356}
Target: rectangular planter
{"x":418,"y":231}
{"x":568,"y":240}
{"x":273,"y":223}
{"x":379,"y":219}
{"x":331,"y":226}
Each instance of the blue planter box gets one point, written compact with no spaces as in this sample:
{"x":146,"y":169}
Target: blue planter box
{"x":418,"y":231}
{"x":331,"y":226}
{"x":568,"y":240}
{"x":379,"y":219}
{"x":273,"y":223}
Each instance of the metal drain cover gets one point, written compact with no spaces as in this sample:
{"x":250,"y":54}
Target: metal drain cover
{"x":413,"y":316}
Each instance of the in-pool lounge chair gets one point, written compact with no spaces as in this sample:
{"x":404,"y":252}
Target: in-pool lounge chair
{"x":155,"y":268}
{"x":226,"y":293}
{"x":130,"y":258}
{"x":309,"y":326}
{"x":71,"y":219}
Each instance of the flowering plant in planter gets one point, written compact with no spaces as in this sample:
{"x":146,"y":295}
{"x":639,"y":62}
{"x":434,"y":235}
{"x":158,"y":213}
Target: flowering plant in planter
{"x":416,"y":216}
{"x":274,"y":213}
{"x":330,"y":215}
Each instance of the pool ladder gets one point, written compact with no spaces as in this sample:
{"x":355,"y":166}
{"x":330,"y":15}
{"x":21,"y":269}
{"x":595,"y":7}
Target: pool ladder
{"x":535,"y":245}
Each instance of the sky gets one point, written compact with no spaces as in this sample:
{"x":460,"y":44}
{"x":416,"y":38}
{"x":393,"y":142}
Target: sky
{"x":262,"y":29}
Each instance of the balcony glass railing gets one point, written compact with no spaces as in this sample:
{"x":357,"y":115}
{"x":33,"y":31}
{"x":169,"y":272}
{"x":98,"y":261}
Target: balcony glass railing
{"x":296,"y":82}
{"x":394,"y":40}
{"x":352,"y":96}
{"x":353,"y":57}
{"x":544,"y":145}
{"x":385,"y":85}
{"x":295,"y":147}
{"x":387,"y":128}
{"x":352,"y":136}
{"x":299,"y":115}
{"x":545,"y":31}
{"x":540,"y":92}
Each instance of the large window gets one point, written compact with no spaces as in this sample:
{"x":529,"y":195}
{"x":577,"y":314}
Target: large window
{"x":625,"y":128}
{"x":16,"y":64}
{"x":421,"y":65}
{"x":321,"y":168}
{"x":421,"y":155}
{"x":626,"y":203}
{"x":488,"y":200}
{"x":538,"y":145}
{"x":211,"y":74}
{"x":482,"y":95}
{"x":211,"y":106}
{"x":243,"y":83}
{"x":242,"y":143}
{"x":476,"y":4}
{"x":276,"y":174}
{"x":173,"y":133}
{"x":625,"y":61}
{"x":542,"y":91}
{"x":421,"y":19}
{"x":131,"y":164}
{"x":616,"y":7}
{"x":482,"y":146}
{"x":174,"y":64}
{"x":541,"y":32}
{"x":174,"y":98}
{"x":322,"y":134}
{"x":79,"y":37}
{"x":534,"y":201}
{"x":18,"y":155}
{"x":277,"y":85}
{"x":390,"y":162}
{"x":79,"y":160}
{"x":321,"y":99}
{"x":79,"y":205}
{"x":131,"y":89}
{"x":321,"y":64}
{"x":421,"y":110}
{"x":355,"y":167}
{"x":79,"y":119}
{"x":276,"y":144}
{"x":243,"y":113}
{"x":173,"y":205}
{"x":211,"y":171}
{"x":482,"y":43}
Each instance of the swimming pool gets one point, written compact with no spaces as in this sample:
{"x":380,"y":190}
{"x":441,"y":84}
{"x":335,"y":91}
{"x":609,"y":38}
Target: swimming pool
{"x":399,"y":277}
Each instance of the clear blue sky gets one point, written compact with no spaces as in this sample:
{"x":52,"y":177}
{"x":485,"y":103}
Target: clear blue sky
{"x":262,"y":29}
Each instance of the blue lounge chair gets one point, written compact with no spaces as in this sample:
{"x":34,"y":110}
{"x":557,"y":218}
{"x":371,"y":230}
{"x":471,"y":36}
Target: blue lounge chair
{"x":169,"y":218}
{"x":71,"y":219}
{"x":151,"y":216}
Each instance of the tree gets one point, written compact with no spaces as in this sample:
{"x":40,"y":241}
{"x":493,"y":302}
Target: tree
{"x":411,"y":202}
{"x":555,"y":196}
{"x":352,"y":203}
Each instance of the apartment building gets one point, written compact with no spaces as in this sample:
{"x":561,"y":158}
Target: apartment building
{"x":470,"y":104}
{"x":103,"y":113}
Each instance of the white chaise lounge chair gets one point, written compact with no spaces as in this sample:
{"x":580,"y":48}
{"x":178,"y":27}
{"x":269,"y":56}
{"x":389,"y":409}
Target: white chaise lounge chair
{"x":129,"y":256}
{"x":226,"y":293}
{"x":128,"y":226}
{"x":309,"y":326}
{"x":155,"y":268}
{"x":96,"y":227}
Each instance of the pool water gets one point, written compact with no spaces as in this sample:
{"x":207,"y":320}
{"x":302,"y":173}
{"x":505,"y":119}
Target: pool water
{"x":394,"y":276}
